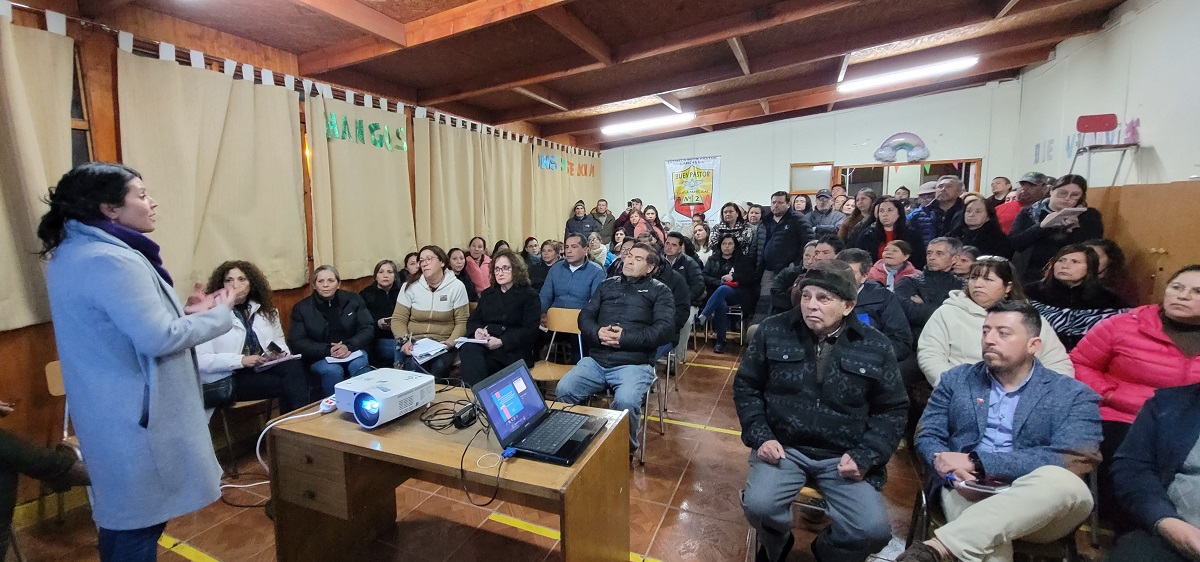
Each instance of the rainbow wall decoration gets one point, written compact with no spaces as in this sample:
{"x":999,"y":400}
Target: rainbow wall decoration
{"x":908,"y":142}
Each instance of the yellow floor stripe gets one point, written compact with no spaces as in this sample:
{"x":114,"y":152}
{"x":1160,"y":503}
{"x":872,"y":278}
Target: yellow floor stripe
{"x":184,"y":549}
{"x":550,"y":533}
{"x":697,"y":425}
{"x":710,"y":366}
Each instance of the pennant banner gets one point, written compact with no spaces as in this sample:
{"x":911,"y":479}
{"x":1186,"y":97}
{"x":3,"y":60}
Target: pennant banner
{"x":693,"y":185}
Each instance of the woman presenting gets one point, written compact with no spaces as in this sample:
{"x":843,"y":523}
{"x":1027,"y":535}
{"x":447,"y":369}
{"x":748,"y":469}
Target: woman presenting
{"x":125,"y":343}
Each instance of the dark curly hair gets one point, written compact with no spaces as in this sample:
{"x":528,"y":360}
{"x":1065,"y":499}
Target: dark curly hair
{"x":78,"y":196}
{"x":260,"y":288}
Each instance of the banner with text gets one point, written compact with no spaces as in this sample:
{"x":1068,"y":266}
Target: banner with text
{"x":694,"y":186}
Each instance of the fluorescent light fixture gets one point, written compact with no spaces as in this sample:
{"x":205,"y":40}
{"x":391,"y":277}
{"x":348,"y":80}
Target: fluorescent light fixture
{"x":634,"y":126}
{"x":825,"y":168}
{"x":908,"y":74}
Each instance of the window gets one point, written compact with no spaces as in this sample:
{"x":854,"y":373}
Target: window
{"x":81,"y":134}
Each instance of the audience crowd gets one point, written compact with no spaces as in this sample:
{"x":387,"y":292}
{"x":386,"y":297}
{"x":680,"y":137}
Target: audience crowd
{"x":1001,"y":323}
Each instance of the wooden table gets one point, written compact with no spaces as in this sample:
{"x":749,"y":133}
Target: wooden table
{"x":334,"y":483}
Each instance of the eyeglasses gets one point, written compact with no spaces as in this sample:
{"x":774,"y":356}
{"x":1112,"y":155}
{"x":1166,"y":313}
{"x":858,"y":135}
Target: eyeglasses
{"x":503,"y":268}
{"x":1182,"y":289}
{"x":426,"y":259}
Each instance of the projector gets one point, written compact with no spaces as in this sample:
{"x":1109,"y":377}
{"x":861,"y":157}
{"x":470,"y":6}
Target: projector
{"x":382,"y":395}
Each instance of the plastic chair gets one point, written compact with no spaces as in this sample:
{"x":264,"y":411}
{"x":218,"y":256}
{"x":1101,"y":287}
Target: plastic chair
{"x":558,"y":320}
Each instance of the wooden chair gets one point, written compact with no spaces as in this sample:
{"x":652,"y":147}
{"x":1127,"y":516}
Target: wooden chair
{"x":56,"y":388}
{"x":564,"y":321}
{"x":223,"y":412}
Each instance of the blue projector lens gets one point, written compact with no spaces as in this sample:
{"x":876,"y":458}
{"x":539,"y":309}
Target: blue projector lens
{"x":366,"y":410}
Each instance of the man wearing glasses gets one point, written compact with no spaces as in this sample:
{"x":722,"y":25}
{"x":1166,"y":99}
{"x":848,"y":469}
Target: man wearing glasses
{"x":624,"y":322}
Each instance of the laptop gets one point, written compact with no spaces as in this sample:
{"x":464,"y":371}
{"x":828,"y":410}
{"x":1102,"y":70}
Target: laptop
{"x":520,"y":419}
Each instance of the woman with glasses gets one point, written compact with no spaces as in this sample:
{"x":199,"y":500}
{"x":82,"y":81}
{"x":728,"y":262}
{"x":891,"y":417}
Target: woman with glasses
{"x":1127,"y":357}
{"x":597,"y":251}
{"x":1043,"y":228}
{"x":951,"y":337}
{"x":1071,"y":295}
{"x":433,"y":305}
{"x":507,"y":318}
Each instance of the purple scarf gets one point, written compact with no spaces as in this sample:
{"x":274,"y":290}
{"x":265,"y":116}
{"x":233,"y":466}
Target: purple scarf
{"x":138,"y":242}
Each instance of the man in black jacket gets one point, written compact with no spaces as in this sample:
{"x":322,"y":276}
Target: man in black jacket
{"x":681,"y":299}
{"x":876,"y":306}
{"x":679,"y":261}
{"x":923,"y":293}
{"x":626,"y":319}
{"x":781,"y":239}
{"x":820,"y":401}
{"x":826,"y":248}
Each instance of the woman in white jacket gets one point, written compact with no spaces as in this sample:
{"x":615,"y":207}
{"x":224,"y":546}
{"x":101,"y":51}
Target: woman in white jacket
{"x":954,"y":333}
{"x":240,"y":353}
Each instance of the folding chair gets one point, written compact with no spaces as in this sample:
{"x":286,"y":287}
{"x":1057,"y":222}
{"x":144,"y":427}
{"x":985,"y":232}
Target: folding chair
{"x":54,"y":384}
{"x":558,"y":320}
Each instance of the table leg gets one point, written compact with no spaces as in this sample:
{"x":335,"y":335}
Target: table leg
{"x":595,"y":512}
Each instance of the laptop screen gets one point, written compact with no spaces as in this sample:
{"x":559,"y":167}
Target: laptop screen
{"x":511,"y":400}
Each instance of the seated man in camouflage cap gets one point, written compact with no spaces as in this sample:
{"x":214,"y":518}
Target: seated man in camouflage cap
{"x":821,"y":403}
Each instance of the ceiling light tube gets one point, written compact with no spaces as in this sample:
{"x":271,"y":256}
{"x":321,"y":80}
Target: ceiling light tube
{"x":635,"y":126}
{"x":908,"y":74}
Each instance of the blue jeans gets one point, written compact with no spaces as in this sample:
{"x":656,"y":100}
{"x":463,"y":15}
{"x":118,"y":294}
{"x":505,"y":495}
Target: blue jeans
{"x":333,"y":373}
{"x":629,"y":383}
{"x":717,"y":309}
{"x":384,"y":353}
{"x":135,"y":545}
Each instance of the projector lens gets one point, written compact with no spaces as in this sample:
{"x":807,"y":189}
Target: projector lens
{"x":366,"y":410}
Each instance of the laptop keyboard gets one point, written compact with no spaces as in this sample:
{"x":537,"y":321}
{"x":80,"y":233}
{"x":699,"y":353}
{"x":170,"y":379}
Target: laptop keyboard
{"x":550,"y":435}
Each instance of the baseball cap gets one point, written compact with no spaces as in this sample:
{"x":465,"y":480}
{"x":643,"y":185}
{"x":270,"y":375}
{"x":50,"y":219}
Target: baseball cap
{"x":824,"y":193}
{"x":1036,"y":178}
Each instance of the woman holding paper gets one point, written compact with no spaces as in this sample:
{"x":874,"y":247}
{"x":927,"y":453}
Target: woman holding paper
{"x":331,"y":329}
{"x":1043,"y":228}
{"x":253,"y":352}
{"x":507,"y":318}
{"x":433,"y":306}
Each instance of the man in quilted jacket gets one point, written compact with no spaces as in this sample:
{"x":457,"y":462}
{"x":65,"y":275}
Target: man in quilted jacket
{"x":821,"y":403}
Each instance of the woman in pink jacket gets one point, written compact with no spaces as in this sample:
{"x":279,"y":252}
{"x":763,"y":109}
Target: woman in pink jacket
{"x":1125,"y":358}
{"x":479,"y":264}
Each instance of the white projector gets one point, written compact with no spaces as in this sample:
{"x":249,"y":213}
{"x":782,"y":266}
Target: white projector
{"x":382,"y":395}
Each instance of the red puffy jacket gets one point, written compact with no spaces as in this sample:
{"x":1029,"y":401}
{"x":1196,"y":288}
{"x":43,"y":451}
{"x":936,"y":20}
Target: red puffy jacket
{"x":1126,"y":357}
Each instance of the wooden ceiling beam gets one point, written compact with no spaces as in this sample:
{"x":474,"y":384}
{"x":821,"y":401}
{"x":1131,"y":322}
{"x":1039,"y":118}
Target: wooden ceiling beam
{"x":461,"y":19}
{"x":96,"y":8}
{"x":736,"y":25}
{"x":574,"y":30}
{"x":739,"y":53}
{"x":825,"y":95}
{"x":671,"y":101}
{"x":359,"y":15}
{"x":813,"y":52}
{"x":507,"y":80}
{"x":679,"y":39}
{"x":1003,"y":7}
{"x":545,"y":95}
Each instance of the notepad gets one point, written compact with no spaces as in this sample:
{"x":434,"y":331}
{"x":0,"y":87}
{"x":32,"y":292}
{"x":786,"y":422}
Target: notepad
{"x":426,"y":348}
{"x":353,"y":355}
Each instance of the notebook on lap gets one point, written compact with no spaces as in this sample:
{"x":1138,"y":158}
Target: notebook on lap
{"x":520,"y":419}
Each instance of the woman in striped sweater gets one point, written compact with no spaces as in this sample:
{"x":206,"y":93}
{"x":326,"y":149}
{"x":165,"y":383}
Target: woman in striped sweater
{"x":432,"y":305}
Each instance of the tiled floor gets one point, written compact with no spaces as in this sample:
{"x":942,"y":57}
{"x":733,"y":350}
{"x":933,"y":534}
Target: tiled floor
{"x":684,"y":502}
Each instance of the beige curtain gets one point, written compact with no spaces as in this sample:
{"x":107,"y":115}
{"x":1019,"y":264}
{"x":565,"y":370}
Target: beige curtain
{"x":560,"y":179}
{"x":471,"y":184}
{"x":35,"y":150}
{"x":362,"y":206}
{"x":222,"y":158}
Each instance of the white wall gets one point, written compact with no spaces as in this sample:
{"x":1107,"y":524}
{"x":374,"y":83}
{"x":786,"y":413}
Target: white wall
{"x":1142,"y":65}
{"x":756,"y":160}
